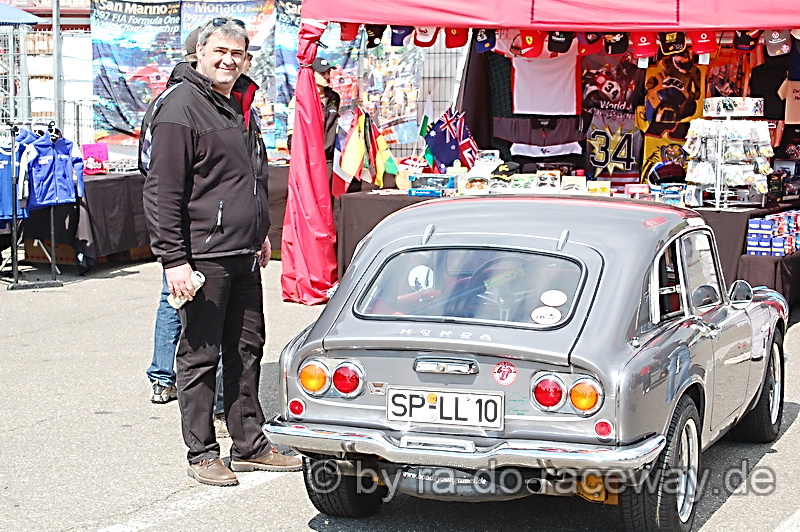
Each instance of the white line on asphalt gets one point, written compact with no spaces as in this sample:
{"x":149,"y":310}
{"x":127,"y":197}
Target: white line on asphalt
{"x":791,"y":524}
{"x":181,"y":507}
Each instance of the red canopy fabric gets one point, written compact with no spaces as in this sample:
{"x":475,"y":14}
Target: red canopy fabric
{"x":565,"y":14}
{"x":308,"y":258}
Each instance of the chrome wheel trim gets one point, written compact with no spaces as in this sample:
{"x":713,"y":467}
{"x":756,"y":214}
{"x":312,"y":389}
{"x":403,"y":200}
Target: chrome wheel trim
{"x":687,"y":467}
{"x":774,"y":381}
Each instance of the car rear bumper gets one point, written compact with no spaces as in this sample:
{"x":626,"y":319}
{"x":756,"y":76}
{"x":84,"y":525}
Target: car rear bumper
{"x":422,"y":449}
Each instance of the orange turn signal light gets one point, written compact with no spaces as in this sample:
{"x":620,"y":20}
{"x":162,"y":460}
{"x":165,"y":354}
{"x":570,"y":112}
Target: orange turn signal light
{"x":585,"y":395}
{"x":314,"y":377}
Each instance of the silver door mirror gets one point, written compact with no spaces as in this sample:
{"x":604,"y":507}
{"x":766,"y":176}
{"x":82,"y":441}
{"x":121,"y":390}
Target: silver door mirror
{"x":741,"y":294}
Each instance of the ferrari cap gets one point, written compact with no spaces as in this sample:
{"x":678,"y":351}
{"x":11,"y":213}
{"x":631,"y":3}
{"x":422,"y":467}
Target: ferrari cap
{"x":455,"y":37}
{"x":531,"y":43}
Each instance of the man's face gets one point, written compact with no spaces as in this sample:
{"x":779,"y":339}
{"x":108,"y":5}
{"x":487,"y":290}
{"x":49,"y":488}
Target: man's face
{"x":222,"y":60}
{"x":323,"y":79}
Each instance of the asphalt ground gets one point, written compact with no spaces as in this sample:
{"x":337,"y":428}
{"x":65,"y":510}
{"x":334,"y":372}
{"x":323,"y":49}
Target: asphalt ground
{"x":82,"y":447}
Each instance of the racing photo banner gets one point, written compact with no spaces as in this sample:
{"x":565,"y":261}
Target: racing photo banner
{"x":134,"y":47}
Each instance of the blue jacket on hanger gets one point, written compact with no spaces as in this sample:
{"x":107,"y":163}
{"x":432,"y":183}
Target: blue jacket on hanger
{"x":7,"y":194}
{"x":49,"y":164}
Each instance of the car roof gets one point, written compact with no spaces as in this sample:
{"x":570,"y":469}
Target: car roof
{"x":611,"y":225}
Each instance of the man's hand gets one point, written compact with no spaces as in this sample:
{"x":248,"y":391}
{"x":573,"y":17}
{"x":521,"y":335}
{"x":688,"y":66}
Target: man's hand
{"x":179,"y":281}
{"x":264,"y":253}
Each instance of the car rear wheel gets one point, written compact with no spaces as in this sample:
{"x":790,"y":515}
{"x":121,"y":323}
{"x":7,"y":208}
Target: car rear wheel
{"x":666,"y":500}
{"x":763,"y":423}
{"x":340,"y":495}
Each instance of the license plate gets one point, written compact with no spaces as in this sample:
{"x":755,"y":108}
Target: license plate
{"x":468,"y":409}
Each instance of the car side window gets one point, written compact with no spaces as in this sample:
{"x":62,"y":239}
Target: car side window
{"x":702,"y":279}
{"x":669,"y":285}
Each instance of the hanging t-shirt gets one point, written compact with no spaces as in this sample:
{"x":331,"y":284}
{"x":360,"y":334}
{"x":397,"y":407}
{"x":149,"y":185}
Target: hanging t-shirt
{"x":790,"y":143}
{"x":790,"y":91}
{"x":544,"y":85}
{"x":612,"y":82}
{"x":676,"y":87}
{"x":542,"y":131}
{"x":728,"y":73}
{"x":532,"y":150}
{"x":765,"y":81}
{"x":614,"y":148}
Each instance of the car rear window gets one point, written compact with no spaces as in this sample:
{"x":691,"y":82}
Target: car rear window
{"x":535,"y":289}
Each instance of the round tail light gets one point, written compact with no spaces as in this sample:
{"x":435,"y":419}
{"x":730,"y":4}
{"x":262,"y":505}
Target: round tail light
{"x":348,"y":379}
{"x":604,"y":428}
{"x":548,"y":392}
{"x":296,"y":407}
{"x":586,"y":395}
{"x":315,"y":377}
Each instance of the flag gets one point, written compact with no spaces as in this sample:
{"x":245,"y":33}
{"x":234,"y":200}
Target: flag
{"x":425,"y":127}
{"x":443,"y":141}
{"x":384,"y":161}
{"x":467,"y":148}
{"x":353,"y":150}
{"x":341,"y":179}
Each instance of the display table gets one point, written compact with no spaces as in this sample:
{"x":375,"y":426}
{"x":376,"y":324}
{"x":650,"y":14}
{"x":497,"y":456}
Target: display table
{"x":361,"y":212}
{"x":109,"y":218}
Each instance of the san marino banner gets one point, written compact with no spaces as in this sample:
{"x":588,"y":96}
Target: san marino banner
{"x":134,"y":47}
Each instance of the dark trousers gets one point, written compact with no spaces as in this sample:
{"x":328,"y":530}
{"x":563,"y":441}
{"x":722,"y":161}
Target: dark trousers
{"x":227,"y":313}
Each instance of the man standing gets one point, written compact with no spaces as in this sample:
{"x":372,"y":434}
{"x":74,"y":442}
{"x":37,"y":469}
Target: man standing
{"x":208,"y":175}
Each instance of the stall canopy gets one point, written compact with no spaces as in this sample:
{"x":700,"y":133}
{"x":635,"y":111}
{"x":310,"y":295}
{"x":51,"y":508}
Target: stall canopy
{"x":565,"y":14}
{"x":12,"y":16}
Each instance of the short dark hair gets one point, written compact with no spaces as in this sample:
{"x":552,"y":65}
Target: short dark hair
{"x":227,"y":27}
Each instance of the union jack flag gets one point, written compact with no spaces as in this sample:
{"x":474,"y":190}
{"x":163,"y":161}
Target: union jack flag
{"x":449,"y":124}
{"x":467,"y":148}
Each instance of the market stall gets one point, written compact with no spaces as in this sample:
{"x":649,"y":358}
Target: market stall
{"x":635,"y":78}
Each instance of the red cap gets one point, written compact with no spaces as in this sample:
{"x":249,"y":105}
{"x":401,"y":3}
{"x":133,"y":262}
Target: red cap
{"x":645,"y":43}
{"x":703,"y":42}
{"x":349,"y":30}
{"x":531,"y":42}
{"x":455,"y":37}
{"x":425,"y":36}
{"x":590,"y":43}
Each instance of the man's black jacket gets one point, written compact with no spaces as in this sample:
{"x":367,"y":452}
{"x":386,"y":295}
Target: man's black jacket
{"x":205,"y":167}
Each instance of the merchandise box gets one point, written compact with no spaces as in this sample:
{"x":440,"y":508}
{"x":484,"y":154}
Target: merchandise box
{"x":573,"y":184}
{"x":733,"y":106}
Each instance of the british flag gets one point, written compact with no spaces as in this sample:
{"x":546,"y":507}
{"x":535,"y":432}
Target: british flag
{"x":449,"y":124}
{"x":467,"y":148}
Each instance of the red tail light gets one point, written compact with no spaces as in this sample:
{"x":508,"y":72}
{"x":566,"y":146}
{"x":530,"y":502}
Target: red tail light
{"x":296,"y":407}
{"x":348,"y":379}
{"x":549,"y":392}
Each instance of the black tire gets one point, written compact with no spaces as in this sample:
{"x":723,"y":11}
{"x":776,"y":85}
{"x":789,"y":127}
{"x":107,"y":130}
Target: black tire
{"x":340,"y":495}
{"x":666,"y":500}
{"x":763,"y":423}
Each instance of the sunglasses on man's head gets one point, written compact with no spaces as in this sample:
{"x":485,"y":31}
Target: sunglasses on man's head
{"x":221,"y":21}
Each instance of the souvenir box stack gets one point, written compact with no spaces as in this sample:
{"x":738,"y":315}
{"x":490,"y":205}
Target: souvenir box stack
{"x":775,"y":235}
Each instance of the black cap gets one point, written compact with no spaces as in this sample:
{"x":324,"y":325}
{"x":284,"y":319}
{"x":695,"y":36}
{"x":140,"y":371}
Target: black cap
{"x":190,"y":45}
{"x":321,"y":65}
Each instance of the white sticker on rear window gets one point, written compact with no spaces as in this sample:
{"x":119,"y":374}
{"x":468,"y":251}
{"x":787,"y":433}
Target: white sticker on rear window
{"x":546,"y":315}
{"x":553,"y":298}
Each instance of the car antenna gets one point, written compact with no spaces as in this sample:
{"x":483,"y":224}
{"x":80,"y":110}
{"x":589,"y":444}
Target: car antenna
{"x":427,"y":234}
{"x":562,"y":239}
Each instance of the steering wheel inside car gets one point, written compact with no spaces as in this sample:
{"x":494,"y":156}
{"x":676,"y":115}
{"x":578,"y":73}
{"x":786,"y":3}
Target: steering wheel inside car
{"x":496,"y":283}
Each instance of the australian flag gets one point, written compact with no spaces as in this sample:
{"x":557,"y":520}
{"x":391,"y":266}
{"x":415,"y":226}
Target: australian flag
{"x":443,"y":139}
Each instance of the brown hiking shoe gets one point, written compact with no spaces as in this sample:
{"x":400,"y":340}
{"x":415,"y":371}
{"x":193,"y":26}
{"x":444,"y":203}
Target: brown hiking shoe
{"x":212,"y":472}
{"x":271,"y":461}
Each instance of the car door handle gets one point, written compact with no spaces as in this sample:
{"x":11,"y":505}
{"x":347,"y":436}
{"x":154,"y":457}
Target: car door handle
{"x":709,"y":330}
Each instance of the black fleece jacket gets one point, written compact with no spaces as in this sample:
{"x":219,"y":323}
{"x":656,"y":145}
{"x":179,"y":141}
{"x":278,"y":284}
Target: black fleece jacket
{"x":205,"y":192}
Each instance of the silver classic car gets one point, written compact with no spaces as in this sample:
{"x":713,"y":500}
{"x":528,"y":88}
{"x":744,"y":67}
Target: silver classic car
{"x":491,"y":348}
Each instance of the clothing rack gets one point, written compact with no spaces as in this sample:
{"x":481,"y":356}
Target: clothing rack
{"x":16,"y":284}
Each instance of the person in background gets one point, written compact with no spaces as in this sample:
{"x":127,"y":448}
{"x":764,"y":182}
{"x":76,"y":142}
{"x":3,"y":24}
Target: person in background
{"x":205,"y":152}
{"x":330,"y":106}
{"x":161,"y":372}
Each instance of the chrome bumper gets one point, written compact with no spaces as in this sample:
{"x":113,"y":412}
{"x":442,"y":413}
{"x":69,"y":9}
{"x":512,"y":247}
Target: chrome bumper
{"x":420,"y":449}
